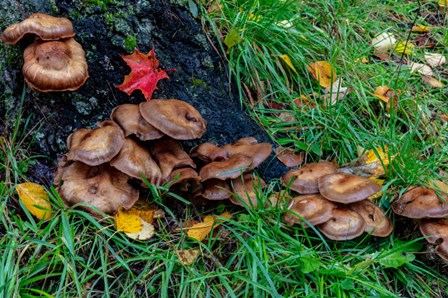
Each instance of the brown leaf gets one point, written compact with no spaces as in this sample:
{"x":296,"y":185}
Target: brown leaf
{"x":433,"y":82}
{"x":188,"y":256}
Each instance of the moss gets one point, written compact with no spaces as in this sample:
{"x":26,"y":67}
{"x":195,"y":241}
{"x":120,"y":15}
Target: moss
{"x":199,"y":83}
{"x":130,"y":42}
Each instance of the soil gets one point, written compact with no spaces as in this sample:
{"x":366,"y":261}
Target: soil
{"x":106,"y":30}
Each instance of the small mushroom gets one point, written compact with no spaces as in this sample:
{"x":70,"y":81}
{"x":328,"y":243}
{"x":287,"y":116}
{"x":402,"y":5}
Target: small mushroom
{"x":131,"y":121}
{"x":421,"y":202}
{"x":215,"y":190}
{"x":313,"y":208}
{"x":46,"y":27}
{"x":226,"y":169}
{"x":55,"y":65}
{"x":245,"y":190}
{"x":436,"y":232}
{"x":97,"y":146}
{"x":304,"y":180}
{"x":289,"y":157}
{"x":170,"y":155}
{"x":377,"y":222}
{"x":257,"y":152}
{"x":187,"y":179}
{"x":174,"y":118}
{"x":345,"y":224}
{"x":346,"y":188}
{"x":102,"y":187}
{"x":205,"y":151}
{"x":134,"y":160}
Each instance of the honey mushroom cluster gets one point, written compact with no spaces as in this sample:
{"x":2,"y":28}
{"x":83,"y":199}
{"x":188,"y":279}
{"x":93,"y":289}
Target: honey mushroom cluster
{"x":336,"y":203}
{"x":143,"y":142}
{"x":430,"y":211}
{"x":55,"y":61}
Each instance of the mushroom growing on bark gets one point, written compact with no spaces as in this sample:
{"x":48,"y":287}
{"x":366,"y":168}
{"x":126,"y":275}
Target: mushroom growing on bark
{"x":46,"y":27}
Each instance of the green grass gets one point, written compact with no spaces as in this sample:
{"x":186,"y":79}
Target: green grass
{"x":254,"y":254}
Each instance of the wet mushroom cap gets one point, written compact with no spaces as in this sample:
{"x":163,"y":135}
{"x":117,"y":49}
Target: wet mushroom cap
{"x":186,"y":179}
{"x":257,"y":152}
{"x":436,"y":232}
{"x":313,"y":208}
{"x":46,"y":27}
{"x":134,"y":160}
{"x":305,"y":179}
{"x":421,"y":202}
{"x":55,"y":65}
{"x":173,"y":117}
{"x":244,"y":190}
{"x":215,"y":189}
{"x":344,"y":225}
{"x":376,"y":221}
{"x":102,"y":187}
{"x":205,"y":151}
{"x":226,"y":169}
{"x":346,"y":188}
{"x":98,"y":146}
{"x":131,"y":121}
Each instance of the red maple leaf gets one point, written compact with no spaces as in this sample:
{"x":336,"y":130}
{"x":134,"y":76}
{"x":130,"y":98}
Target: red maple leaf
{"x":145,"y":73}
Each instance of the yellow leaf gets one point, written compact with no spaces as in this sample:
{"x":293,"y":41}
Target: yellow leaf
{"x":35,"y":199}
{"x":404,"y":47}
{"x":420,"y":29}
{"x":438,"y":185}
{"x":371,"y":156}
{"x":380,"y":182}
{"x":384,"y":93}
{"x":201,"y":230}
{"x":187,"y":256}
{"x":362,"y":60}
{"x":443,"y":3}
{"x":226,"y":215}
{"x":323,"y":73}
{"x":288,"y":62}
{"x":145,"y":233}
{"x":128,"y":221}
{"x":232,"y":38}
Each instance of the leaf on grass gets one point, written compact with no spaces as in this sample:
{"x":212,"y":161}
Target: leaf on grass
{"x":377,"y":160}
{"x":200,"y":231}
{"x":443,"y":4}
{"x":188,"y":256}
{"x":35,"y":199}
{"x":232,"y":38}
{"x":404,"y":47}
{"x":289,"y":157}
{"x":323,"y":73}
{"x":385,"y":93}
{"x":396,"y":260}
{"x":145,"y":73}
{"x":433,"y":82}
{"x":444,"y":117}
{"x":336,"y":92}
{"x":435,"y":59}
{"x":383,"y":42}
{"x":136,"y":222}
{"x":422,"y":68}
{"x":145,"y":233}
{"x":420,"y":29}
{"x":288,"y":62}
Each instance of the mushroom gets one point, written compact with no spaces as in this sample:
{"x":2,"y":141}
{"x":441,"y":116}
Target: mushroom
{"x":102,"y":187}
{"x":377,"y":222}
{"x":135,"y":161}
{"x":257,"y":152}
{"x":226,"y":169}
{"x":215,"y":190}
{"x":169,"y":155}
{"x":436,"y":232}
{"x":205,"y":151}
{"x":55,"y":65}
{"x":313,"y":208}
{"x":345,"y":224}
{"x":46,"y":27}
{"x":97,"y":146}
{"x":187,"y":179}
{"x":346,"y":188}
{"x":421,"y":202}
{"x":289,"y":157}
{"x":304,"y":179}
{"x":174,"y":118}
{"x":245,"y":190}
{"x":131,"y":121}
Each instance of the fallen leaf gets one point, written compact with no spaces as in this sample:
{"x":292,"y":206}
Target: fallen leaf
{"x":35,"y":199}
{"x":323,"y":73}
{"x":289,"y":157}
{"x":287,"y":117}
{"x":433,"y":82}
{"x":443,"y":4}
{"x":444,"y":117}
{"x":377,"y":160}
{"x":145,"y":73}
{"x":288,"y":62}
{"x":304,"y":101}
{"x":420,"y":29}
{"x":145,"y":233}
{"x":188,"y":256}
{"x":421,"y":68}
{"x":404,"y":47}
{"x":362,"y":60}
{"x":380,"y":182}
{"x":336,"y":92}
{"x":434,"y":59}
{"x":232,"y":38}
{"x":128,"y":221}
{"x":201,"y":230}
{"x":383,"y":42}
{"x":386,"y":94}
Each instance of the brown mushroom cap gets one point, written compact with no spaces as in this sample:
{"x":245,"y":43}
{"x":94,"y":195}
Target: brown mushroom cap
{"x":226,"y":169}
{"x":305,"y":179}
{"x":289,"y":157}
{"x":45,"y":26}
{"x":313,"y":208}
{"x":344,"y":225}
{"x":187,"y":179}
{"x":131,"y":121}
{"x":436,"y":231}
{"x":173,"y":117}
{"x":55,"y":65}
{"x":215,"y":189}
{"x":376,"y":221}
{"x":245,"y":190}
{"x":102,"y":187}
{"x":134,"y":160}
{"x":170,"y":155}
{"x":421,"y":202}
{"x":346,"y":188}
{"x":205,"y":151}
{"x":257,"y":152}
{"x":97,"y":146}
